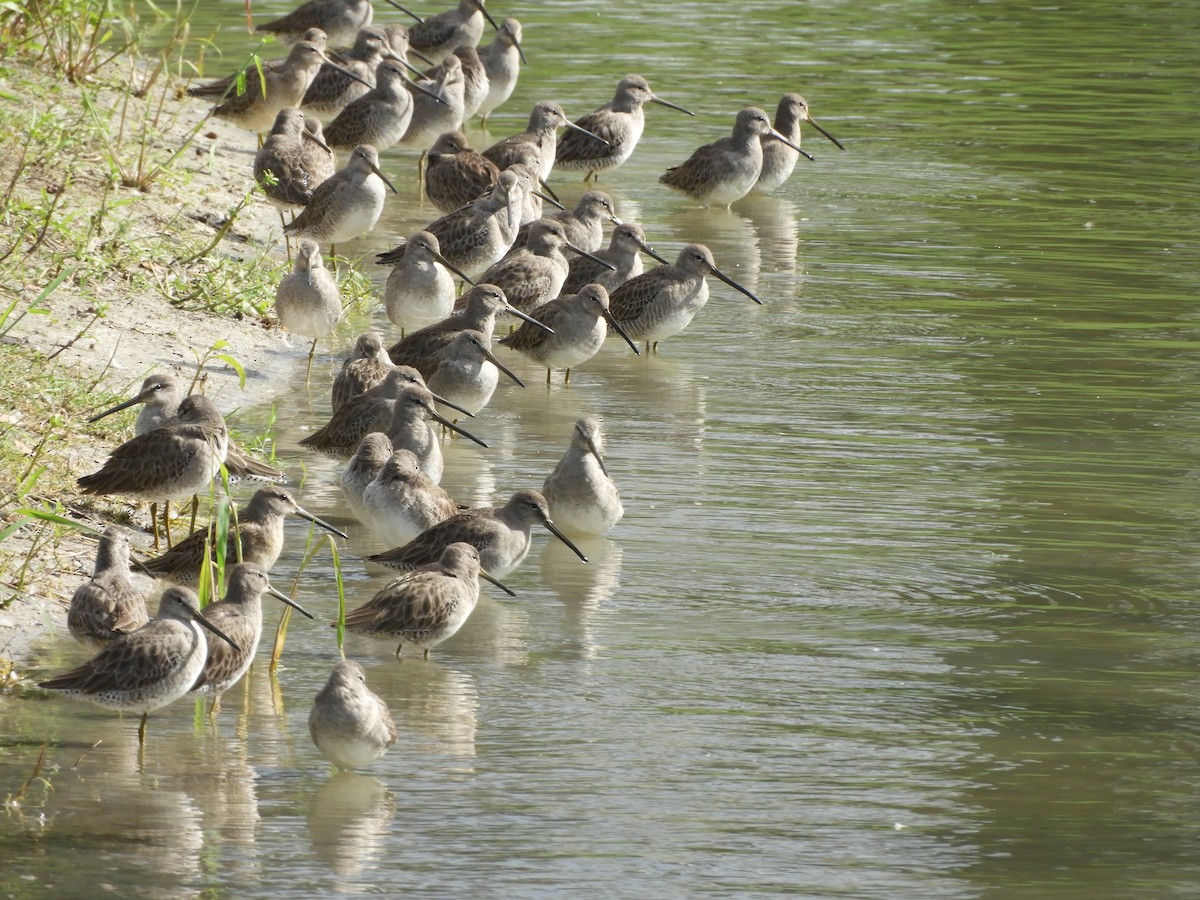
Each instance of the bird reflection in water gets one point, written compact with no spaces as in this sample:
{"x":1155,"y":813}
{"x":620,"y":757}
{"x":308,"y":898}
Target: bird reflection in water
{"x":348,"y":819}
{"x":583,"y":590}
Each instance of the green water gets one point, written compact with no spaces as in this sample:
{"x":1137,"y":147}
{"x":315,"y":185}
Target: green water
{"x":903,"y":602}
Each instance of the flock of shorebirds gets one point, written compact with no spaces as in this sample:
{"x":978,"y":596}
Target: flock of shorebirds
{"x":387,"y":402}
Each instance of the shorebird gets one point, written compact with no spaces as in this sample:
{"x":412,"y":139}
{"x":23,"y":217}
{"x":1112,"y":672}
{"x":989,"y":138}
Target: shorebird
{"x":402,"y":501}
{"x":146,"y":669}
{"x":455,"y":174}
{"x":347,"y":204}
{"x":501,"y":535}
{"x":778,"y":158}
{"x":331,"y":91}
{"x":239,"y":615}
{"x":501,"y":60}
{"x":475,"y":79}
{"x":161,"y":394}
{"x":725,"y":171}
{"x":410,"y":429}
{"x":622,"y":254}
{"x":580,"y":322}
{"x":318,"y":158}
{"x":268,"y":88}
{"x":481,"y":305}
{"x":339,"y":19}
{"x":662,"y":302}
{"x":535,"y":273}
{"x":380,"y":117}
{"x":367,"y":366}
{"x":619,"y":123}
{"x":420,"y":288}
{"x":439,"y":36}
{"x":256,"y":536}
{"x":373,"y":451}
{"x":579,"y":492}
{"x":350,"y":725}
{"x":173,"y":462}
{"x":539,"y":134}
{"x":478,"y":235}
{"x":110,"y":604}
{"x":307,"y":300}
{"x":437,"y":107}
{"x":583,"y":226}
{"x":425,"y":606}
{"x":370,"y":411}
{"x":284,"y":166}
{"x":467,"y":371}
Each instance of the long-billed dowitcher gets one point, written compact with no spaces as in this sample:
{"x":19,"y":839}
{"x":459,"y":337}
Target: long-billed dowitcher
{"x":439,"y":36}
{"x":373,"y":451}
{"x":331,"y":90}
{"x":370,"y":411}
{"x":544,"y":121}
{"x":662,"y":302}
{"x":482,"y":304}
{"x":437,"y":106}
{"x":725,"y":171}
{"x":420,"y":288}
{"x":283,"y":166}
{"x":402,"y":501}
{"x":778,"y":158}
{"x":467,"y":371}
{"x":380,"y":117}
{"x":267,"y":89}
{"x":146,"y":669}
{"x":457,"y":175}
{"x":501,"y":60}
{"x":367,"y":366}
{"x":583,"y":226}
{"x":581,"y":495}
{"x":258,"y":533}
{"x":307,"y":300}
{"x":475,"y":79}
{"x":478,"y":235}
{"x":110,"y":604}
{"x":318,"y":158}
{"x":348,"y":722}
{"x":426,"y":606}
{"x":339,"y":19}
{"x":239,"y":615}
{"x":347,"y":204}
{"x":619,"y":123}
{"x":161,"y":394}
{"x":410,"y":429}
{"x":502,"y":535}
{"x":622,"y":253}
{"x":535,"y":273}
{"x":173,"y":462}
{"x":580,"y":322}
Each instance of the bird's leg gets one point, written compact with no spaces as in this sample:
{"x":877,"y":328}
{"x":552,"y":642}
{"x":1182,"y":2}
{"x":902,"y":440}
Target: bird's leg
{"x":547,"y":378}
{"x":154,"y":524}
{"x":195,"y":509}
{"x":567,"y":378}
{"x":308,"y":371}
{"x":142,"y":730}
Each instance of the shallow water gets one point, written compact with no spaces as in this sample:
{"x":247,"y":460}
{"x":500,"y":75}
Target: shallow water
{"x":902,"y":603}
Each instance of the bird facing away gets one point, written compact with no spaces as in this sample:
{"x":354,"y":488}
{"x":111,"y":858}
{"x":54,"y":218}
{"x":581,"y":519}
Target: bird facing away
{"x":778,"y":158}
{"x":256,"y":537}
{"x":110,"y":604}
{"x":348,"y":722}
{"x":501,"y":60}
{"x":147,"y":669}
{"x":456,"y":175}
{"x":439,"y":36}
{"x":284,"y":166}
{"x":426,"y":606}
{"x":623,"y":253}
{"x":662,"y":302}
{"x":420,"y":288}
{"x":402,"y":501}
{"x":580,"y":322}
{"x":725,"y":171}
{"x":619,"y":123}
{"x":347,"y":204}
{"x":373,"y":451}
{"x":307,"y":300}
{"x":581,"y":495}
{"x":502,"y":535}
{"x":239,"y":615}
{"x":339,"y":19}
{"x":367,"y":366}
